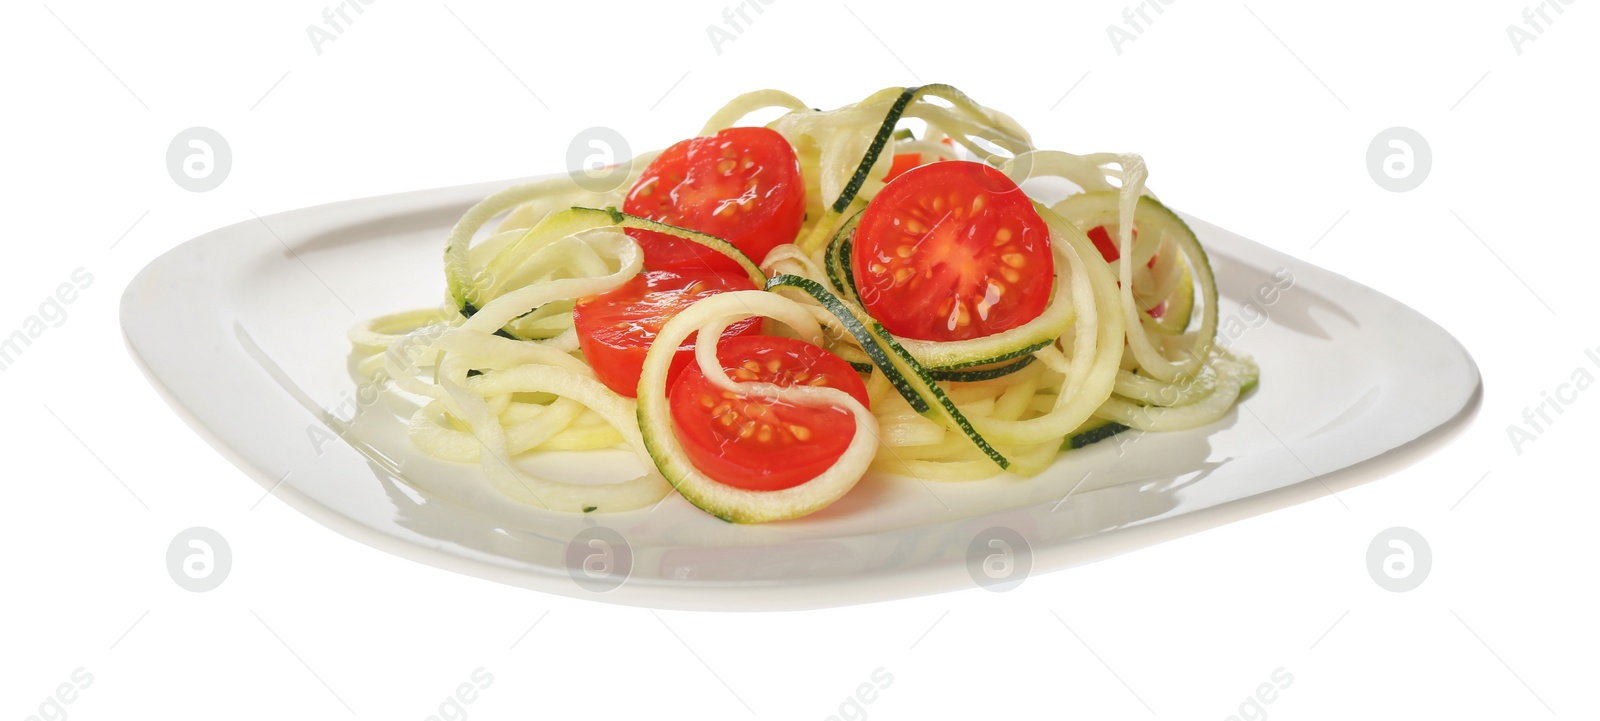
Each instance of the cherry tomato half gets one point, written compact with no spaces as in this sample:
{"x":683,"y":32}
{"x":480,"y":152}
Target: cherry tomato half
{"x":742,"y":185}
{"x":952,"y":251}
{"x":758,"y":444}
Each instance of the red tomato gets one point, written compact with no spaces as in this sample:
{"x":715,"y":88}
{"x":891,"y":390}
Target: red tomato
{"x":1108,"y":249}
{"x":742,"y":185}
{"x":758,"y":444}
{"x":1105,"y":243}
{"x":902,"y":163}
{"x":615,"y":328}
{"x":907,"y":161}
{"x":952,"y":251}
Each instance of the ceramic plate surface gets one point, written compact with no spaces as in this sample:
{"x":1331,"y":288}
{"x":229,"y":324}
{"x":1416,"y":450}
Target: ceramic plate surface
{"x":243,"y":332}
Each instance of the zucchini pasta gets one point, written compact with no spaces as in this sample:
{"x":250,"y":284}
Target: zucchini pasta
{"x":766,"y":314}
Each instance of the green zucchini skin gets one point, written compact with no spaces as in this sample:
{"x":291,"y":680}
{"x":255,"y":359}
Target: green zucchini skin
{"x":919,"y":388}
{"x":887,"y":132}
{"x":879,"y":141}
{"x":835,"y":258}
{"x":982,"y":374}
{"x":1092,"y":436}
{"x":854,"y":326}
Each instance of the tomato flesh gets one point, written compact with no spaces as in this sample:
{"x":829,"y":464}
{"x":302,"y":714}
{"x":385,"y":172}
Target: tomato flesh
{"x":615,"y":329}
{"x":742,"y":185}
{"x":1101,"y":237}
{"x":1107,"y":245}
{"x":759,"y":444}
{"x":1103,"y":242}
{"x":952,"y":251}
{"x":906,"y":161}
{"x":903,"y":162}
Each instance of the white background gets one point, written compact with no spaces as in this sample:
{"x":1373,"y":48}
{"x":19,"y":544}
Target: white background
{"x":1254,"y":117}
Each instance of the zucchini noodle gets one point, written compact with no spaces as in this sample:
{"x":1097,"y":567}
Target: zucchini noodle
{"x":497,"y":373}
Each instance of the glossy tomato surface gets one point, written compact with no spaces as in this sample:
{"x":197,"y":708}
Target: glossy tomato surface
{"x":759,"y":444}
{"x":615,"y":329}
{"x":742,"y":185}
{"x":952,"y":251}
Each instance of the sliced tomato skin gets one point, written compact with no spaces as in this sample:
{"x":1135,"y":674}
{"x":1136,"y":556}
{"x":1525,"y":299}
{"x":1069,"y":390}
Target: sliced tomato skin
{"x":742,"y":185}
{"x":757,"y":444}
{"x":950,"y":251}
{"x":615,"y":328}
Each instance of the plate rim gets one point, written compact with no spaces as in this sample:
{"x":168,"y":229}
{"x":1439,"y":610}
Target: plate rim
{"x":847,"y":589}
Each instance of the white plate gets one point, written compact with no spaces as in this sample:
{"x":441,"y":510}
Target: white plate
{"x":243,"y":332}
